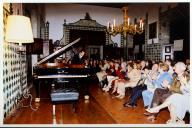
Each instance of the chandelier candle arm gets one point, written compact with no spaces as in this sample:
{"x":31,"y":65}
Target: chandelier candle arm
{"x":114,"y":22}
{"x":140,"y":23}
{"x":112,"y":28}
{"x":128,"y":21}
{"x":108,"y":25}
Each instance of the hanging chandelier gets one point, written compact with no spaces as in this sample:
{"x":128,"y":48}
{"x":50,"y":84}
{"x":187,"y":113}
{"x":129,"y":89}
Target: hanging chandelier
{"x":127,"y":27}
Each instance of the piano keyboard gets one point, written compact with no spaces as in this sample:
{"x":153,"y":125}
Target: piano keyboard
{"x":61,"y":76}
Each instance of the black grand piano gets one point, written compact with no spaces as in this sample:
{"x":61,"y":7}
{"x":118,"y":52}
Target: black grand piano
{"x":60,"y":72}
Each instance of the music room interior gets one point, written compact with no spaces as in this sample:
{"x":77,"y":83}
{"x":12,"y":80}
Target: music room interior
{"x":96,"y":63}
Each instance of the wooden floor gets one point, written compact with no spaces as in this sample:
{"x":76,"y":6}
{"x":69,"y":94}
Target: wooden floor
{"x":101,"y":108}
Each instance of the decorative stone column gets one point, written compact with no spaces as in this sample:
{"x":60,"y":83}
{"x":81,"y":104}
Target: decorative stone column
{"x":107,"y":42}
{"x":146,"y":34}
{"x":122,"y":42}
{"x":46,"y":30}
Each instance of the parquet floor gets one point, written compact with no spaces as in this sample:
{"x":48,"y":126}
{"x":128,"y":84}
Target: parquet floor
{"x":101,"y":108}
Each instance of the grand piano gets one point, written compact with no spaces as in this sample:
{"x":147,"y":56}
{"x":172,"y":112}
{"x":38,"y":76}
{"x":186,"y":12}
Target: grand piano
{"x":60,"y":72}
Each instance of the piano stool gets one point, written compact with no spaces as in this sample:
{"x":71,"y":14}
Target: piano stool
{"x":60,"y":96}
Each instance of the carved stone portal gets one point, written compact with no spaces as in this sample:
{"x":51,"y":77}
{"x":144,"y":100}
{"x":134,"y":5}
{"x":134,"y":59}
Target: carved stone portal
{"x":83,"y":24}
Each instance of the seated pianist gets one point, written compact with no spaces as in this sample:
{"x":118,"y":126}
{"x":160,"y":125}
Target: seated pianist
{"x":78,"y":58}
{"x":68,"y":94}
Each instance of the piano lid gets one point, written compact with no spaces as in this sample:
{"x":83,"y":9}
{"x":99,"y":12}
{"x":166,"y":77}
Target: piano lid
{"x":58,"y":52}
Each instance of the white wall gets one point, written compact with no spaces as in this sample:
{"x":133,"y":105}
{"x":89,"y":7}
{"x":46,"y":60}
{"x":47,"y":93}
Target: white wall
{"x":56,"y":13}
{"x":34,"y":25}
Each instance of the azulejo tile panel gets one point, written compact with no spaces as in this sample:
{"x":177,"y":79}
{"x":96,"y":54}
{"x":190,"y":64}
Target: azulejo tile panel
{"x":14,"y":76}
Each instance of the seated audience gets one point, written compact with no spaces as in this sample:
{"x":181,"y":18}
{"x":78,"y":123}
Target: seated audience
{"x":156,"y":82}
{"x":159,"y":84}
{"x":178,"y":104}
{"x":147,"y":81}
{"x":161,"y":94}
{"x":129,"y":69}
{"x":102,"y":75}
{"x":134,"y":76}
{"x":187,"y":65}
{"x":119,"y":74}
{"x":169,"y":62}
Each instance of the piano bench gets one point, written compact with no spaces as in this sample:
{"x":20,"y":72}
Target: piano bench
{"x":61,"y":96}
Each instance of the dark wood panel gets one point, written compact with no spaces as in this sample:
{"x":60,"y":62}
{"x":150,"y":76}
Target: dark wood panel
{"x":36,"y":47}
{"x":88,"y":37}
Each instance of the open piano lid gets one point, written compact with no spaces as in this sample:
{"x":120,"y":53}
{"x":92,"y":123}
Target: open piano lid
{"x":58,"y":52}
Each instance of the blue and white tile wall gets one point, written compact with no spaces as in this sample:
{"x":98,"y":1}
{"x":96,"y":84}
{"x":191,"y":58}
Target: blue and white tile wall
{"x":12,"y":75}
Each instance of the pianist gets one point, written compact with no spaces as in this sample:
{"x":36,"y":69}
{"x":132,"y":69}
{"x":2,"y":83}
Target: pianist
{"x":78,"y":58}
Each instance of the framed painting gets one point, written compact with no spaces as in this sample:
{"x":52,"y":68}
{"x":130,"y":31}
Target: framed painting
{"x":167,"y":49}
{"x":167,"y":57}
{"x":153,"y":30}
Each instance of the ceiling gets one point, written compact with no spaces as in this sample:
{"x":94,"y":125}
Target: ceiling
{"x":113,"y":5}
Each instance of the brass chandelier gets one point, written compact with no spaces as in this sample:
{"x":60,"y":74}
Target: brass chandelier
{"x":126,"y":27}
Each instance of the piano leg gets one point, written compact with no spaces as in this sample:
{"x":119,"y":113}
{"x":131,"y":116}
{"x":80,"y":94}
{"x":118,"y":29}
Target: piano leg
{"x":86,"y":89}
{"x":54,"y":111}
{"x":37,"y":90}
